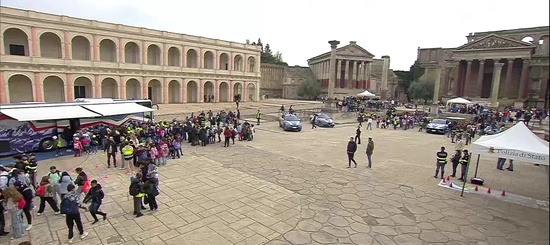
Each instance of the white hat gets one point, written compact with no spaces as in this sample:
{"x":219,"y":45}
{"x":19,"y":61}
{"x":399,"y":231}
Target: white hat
{"x":54,"y":137}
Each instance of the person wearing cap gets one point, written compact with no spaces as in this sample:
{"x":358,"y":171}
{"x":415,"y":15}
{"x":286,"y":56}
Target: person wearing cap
{"x":369,"y":151}
{"x":351,"y":149}
{"x":441,"y":162}
{"x":463,"y":164}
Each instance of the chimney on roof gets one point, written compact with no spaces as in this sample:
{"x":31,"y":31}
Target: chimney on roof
{"x":352,"y":42}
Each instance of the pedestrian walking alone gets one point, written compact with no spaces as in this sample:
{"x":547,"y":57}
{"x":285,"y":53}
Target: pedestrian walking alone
{"x":351,"y":149}
{"x":369,"y":151}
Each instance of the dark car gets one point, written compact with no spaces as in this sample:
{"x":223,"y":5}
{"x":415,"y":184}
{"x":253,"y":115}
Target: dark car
{"x":322,"y":120}
{"x":438,"y":126}
{"x":290,"y":122}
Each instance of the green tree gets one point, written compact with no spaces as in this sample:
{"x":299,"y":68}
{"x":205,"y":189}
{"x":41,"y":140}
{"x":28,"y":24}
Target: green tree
{"x":309,"y":89}
{"x":421,"y":91}
{"x":267,"y":49}
{"x":406,"y":78}
{"x":267,"y":56}
{"x":278,"y":57}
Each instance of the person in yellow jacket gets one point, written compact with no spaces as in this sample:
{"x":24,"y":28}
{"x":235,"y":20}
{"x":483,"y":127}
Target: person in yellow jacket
{"x":137,"y":192}
{"x":128,"y":157}
{"x":258,"y":117}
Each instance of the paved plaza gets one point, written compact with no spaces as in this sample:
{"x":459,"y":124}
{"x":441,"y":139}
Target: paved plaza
{"x":294,"y":188}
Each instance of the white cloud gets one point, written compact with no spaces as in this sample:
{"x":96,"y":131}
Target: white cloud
{"x":300,"y":29}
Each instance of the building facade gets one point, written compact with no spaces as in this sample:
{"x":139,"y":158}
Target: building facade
{"x":501,"y":67}
{"x":272,"y":80}
{"x":50,"y":58}
{"x":355,"y":71}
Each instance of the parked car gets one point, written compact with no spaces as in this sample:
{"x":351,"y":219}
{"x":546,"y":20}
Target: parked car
{"x":438,"y":126}
{"x":290,"y":122}
{"x":322,"y":119}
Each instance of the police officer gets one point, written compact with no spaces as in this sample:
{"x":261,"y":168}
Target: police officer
{"x":258,"y":117}
{"x":463,"y":164}
{"x":358,"y":135}
{"x":455,"y":160}
{"x":441,"y":161}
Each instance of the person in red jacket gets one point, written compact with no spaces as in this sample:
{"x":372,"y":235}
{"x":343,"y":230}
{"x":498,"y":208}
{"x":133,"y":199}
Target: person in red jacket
{"x":227,"y":134}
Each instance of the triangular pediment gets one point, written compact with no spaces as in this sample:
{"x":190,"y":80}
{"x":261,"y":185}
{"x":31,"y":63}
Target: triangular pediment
{"x":354,"y":50}
{"x":494,"y":41}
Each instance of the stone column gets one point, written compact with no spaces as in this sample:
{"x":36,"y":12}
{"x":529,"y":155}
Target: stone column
{"x":95,"y":49}
{"x":346,"y":74}
{"x":97,"y":86}
{"x":201,"y":91}
{"x":184,"y":90}
{"x":165,"y":91}
{"x":38,"y":85}
{"x":467,"y":79}
{"x":35,"y":50}
{"x":457,"y":80}
{"x":217,"y":91}
{"x":524,"y":82}
{"x":360,"y":73}
{"x":384,"y":83}
{"x":543,"y":85}
{"x":496,"y":84}
{"x":70,"y":87}
{"x":331,"y":82}
{"x":3,"y":89}
{"x":183,"y":60}
{"x":509,"y":72}
{"x":480,"y":78}
{"x":369,"y":73}
{"x":338,"y":73}
{"x":67,"y":45}
{"x":244,"y":95}
{"x":437,"y":85}
{"x":353,"y":71}
{"x":143,"y":53}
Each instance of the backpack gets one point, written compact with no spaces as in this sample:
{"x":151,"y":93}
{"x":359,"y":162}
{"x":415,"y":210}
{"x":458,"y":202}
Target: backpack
{"x":41,"y":191}
{"x":133,"y":190}
{"x":68,"y":206}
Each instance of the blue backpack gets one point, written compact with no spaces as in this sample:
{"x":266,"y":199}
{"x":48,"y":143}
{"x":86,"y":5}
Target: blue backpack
{"x":68,"y":206}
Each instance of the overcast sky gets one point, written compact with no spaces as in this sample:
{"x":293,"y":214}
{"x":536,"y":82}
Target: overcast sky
{"x":300,"y":29}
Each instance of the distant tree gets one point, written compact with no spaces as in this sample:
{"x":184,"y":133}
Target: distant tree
{"x":259,"y":43}
{"x":247,"y":41}
{"x":278,"y":57}
{"x":267,"y":49}
{"x":421,"y":91}
{"x":309,"y":89}
{"x":406,"y":78}
{"x":267,"y":56}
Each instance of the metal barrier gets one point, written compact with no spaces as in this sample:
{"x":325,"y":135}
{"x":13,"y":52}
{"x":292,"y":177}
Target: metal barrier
{"x":158,"y":108}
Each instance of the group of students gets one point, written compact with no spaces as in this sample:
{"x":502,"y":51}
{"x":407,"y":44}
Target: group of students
{"x":18,"y":190}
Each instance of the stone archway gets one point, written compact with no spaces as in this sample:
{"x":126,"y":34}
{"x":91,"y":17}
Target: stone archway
{"x":208,"y":60}
{"x":154,"y":55}
{"x":83,"y":88}
{"x":54,"y":89}
{"x":191,"y":59}
{"x":224,"y":92}
{"x":80,"y":48}
{"x":133,"y":89}
{"x":20,"y":89}
{"x":192,"y":92}
{"x":251,"y":92}
{"x":209,"y":90}
{"x":224,"y":62}
{"x":154,"y":91}
{"x":174,"y":56}
{"x":131,"y":53}
{"x":107,"y":51}
{"x":251,"y":64}
{"x":174,"y":92}
{"x":50,"y":46}
{"x":237,"y":90}
{"x":238,"y":63}
{"x":16,"y":42}
{"x":109,"y":88}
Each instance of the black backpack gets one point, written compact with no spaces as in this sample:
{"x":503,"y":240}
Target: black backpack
{"x":133,"y":190}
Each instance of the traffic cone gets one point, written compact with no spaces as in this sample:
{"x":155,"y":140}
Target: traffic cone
{"x":105,"y":176}
{"x":96,"y":165}
{"x":444,"y":181}
{"x":489,"y":191}
{"x":451,"y":184}
{"x":503,"y":193}
{"x":448,"y":178}
{"x":476,"y":188}
{"x":127,"y":172}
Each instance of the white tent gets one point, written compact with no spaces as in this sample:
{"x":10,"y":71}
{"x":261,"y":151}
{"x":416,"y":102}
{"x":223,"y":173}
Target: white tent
{"x":517,"y":143}
{"x":458,"y":100}
{"x":366,"y":93}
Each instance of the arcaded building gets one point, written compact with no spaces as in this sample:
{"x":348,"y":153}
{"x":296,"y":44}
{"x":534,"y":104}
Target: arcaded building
{"x":507,"y":67}
{"x":46,"y":57}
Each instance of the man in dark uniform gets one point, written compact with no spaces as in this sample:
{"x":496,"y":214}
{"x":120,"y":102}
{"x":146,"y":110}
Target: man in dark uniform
{"x":441,"y":161}
{"x":464,"y":163}
{"x":358,"y":135}
{"x":351,"y":149}
{"x":313,"y":121}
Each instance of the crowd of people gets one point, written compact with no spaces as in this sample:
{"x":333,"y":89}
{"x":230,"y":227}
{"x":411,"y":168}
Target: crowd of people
{"x":139,"y":148}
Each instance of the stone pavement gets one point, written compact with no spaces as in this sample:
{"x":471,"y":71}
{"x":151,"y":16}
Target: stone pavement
{"x":293,"y":188}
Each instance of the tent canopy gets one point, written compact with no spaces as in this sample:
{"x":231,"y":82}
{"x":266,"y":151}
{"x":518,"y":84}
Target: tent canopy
{"x":366,"y":93}
{"x":459,"y":100}
{"x":517,"y":143}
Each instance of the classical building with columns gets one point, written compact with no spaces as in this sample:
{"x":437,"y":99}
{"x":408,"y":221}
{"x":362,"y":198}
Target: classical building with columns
{"x":355,"y":70}
{"x":46,"y":57}
{"x":508,"y":67}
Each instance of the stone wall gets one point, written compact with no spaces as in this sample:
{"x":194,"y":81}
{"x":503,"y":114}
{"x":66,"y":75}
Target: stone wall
{"x":294,"y":76}
{"x":272,"y":80}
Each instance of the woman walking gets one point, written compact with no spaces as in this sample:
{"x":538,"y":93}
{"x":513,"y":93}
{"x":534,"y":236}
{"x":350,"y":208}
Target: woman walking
{"x":15,"y":204}
{"x":46,"y":192}
{"x":28,"y":196}
{"x":64,"y":182}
